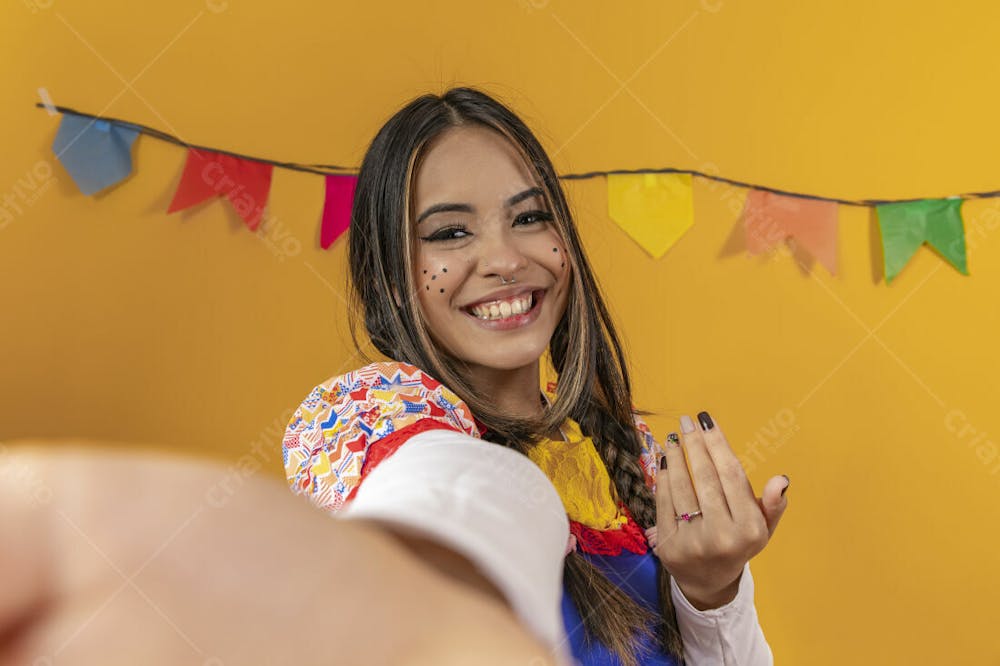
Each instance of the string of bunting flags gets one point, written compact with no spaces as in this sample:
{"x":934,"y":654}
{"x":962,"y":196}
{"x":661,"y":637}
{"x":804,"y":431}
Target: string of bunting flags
{"x":653,"y":206}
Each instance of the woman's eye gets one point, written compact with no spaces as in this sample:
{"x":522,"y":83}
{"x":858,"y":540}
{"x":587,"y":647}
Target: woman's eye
{"x":448,"y":233}
{"x":533,"y":217}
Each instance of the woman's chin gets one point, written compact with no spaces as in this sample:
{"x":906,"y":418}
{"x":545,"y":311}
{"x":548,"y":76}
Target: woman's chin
{"x":501,"y":359}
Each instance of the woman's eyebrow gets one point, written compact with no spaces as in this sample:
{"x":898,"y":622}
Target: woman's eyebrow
{"x":467,"y":208}
{"x":521,"y":196}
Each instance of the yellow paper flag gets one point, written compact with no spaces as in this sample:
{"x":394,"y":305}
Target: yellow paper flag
{"x":655,"y":209}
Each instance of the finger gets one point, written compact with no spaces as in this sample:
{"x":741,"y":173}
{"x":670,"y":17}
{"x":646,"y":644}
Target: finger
{"x":681,"y":487}
{"x":711,"y":499}
{"x":736,"y":487}
{"x":570,"y":544}
{"x":651,"y":536}
{"x":664,"y":492}
{"x":773,"y":501}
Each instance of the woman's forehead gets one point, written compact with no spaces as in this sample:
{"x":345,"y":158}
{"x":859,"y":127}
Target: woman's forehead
{"x":470,"y":164}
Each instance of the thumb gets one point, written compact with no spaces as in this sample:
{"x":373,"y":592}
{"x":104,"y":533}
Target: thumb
{"x":773,"y":502}
{"x":570,"y":544}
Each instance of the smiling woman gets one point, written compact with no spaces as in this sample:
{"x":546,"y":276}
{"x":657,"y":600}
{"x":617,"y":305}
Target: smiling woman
{"x":467,"y":268}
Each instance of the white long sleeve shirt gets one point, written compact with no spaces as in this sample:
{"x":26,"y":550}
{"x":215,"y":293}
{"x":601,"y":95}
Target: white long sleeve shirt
{"x":729,"y":635}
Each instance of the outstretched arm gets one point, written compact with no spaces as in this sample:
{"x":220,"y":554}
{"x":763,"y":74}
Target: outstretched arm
{"x":108,"y":556}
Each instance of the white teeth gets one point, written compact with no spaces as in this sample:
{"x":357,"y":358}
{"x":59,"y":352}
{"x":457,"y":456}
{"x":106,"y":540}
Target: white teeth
{"x":503,"y":309}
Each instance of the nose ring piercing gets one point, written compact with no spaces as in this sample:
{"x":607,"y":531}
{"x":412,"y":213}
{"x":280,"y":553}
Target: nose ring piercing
{"x":512,"y":280}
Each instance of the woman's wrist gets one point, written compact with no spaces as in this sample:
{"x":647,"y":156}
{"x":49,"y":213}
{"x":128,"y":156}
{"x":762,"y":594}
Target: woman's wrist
{"x":703,"y":599}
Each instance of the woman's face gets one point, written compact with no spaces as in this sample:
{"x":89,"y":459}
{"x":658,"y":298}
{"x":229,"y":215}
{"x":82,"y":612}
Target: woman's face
{"x":478,"y":215}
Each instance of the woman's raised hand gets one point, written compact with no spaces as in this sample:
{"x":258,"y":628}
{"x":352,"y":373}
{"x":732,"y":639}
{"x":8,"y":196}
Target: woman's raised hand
{"x":706,"y":553}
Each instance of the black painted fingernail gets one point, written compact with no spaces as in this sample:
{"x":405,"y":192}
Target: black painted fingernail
{"x":706,"y":421}
{"x":786,"y":485}
{"x":663,"y":462}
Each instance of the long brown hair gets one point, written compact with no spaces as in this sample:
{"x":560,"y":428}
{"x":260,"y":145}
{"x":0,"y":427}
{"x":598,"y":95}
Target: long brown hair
{"x":594,"y":386}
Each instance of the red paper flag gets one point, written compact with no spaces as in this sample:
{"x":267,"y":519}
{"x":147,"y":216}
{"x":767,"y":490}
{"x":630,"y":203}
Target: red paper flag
{"x":337,"y":208}
{"x":245,"y":183}
{"x":769,"y":218}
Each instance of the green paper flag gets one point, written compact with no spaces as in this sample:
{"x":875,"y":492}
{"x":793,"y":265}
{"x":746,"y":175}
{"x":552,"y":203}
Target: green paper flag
{"x":905,"y":226}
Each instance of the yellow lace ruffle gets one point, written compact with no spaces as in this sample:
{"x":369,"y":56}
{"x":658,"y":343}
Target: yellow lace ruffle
{"x":580,"y":477}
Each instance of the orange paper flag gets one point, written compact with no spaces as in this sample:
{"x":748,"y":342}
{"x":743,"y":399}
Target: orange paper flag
{"x":244,"y":182}
{"x":769,"y":218}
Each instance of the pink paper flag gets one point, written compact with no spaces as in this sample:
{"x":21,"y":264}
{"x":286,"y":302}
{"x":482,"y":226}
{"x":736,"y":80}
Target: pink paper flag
{"x":337,"y":207}
{"x":769,"y":218}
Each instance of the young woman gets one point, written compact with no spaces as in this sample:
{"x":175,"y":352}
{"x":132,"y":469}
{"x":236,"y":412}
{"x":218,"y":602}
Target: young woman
{"x":468,"y":269}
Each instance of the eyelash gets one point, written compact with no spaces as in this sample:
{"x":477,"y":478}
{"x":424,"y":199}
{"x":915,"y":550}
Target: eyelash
{"x":442,"y":234}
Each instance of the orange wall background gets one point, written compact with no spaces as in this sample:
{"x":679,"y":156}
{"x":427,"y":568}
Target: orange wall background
{"x":189,"y":332}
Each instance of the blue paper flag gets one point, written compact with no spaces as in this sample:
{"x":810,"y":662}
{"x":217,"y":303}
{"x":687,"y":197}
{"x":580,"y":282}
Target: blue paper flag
{"x":97,"y":154}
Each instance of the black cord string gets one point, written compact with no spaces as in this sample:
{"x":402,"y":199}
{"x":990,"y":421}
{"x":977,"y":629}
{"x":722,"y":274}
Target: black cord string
{"x":170,"y":138}
{"x":333,"y":168}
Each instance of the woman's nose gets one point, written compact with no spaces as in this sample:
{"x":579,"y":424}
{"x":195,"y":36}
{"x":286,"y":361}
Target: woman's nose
{"x":500,"y":254}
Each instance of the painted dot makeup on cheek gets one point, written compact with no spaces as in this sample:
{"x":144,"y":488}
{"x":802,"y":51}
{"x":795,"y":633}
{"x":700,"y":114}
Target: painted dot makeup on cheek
{"x":442,"y":291}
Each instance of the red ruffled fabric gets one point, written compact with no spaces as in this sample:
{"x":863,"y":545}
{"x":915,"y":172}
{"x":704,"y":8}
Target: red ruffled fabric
{"x":610,"y":542}
{"x":386,"y":446}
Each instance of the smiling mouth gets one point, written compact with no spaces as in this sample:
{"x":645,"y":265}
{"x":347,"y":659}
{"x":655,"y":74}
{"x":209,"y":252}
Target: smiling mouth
{"x":504,"y":308}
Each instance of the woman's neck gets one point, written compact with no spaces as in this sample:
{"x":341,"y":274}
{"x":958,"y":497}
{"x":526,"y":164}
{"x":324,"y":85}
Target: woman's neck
{"x":515,"y":392}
